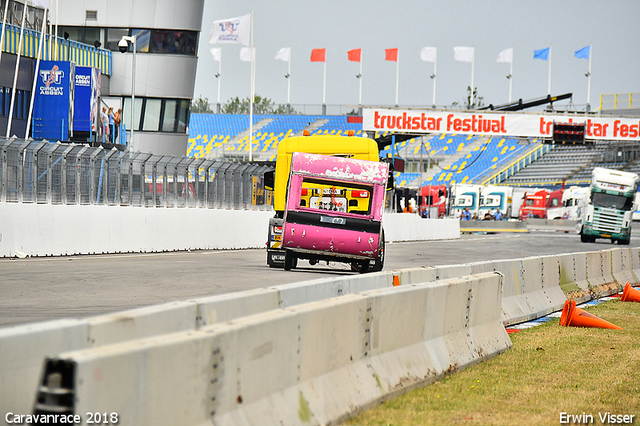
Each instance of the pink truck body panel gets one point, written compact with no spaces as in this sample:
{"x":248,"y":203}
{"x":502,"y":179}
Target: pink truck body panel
{"x":328,"y":233}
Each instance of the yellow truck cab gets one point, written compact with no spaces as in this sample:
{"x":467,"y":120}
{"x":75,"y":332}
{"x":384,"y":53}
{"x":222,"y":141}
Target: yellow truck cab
{"x":357,"y":147}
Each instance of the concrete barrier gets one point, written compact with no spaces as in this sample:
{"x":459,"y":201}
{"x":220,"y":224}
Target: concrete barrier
{"x":411,"y":227}
{"x":560,"y":225}
{"x":314,"y":363}
{"x":531,"y":287}
{"x":635,"y":261}
{"x":54,"y":230}
{"x":621,"y":266}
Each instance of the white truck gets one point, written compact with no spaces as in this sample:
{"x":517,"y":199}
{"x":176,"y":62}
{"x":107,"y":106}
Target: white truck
{"x":463,"y":196}
{"x":574,"y":199}
{"x":609,"y":210}
{"x":494,"y":197}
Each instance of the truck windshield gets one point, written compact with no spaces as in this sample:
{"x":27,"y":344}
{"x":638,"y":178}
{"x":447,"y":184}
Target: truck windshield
{"x":618,"y":202}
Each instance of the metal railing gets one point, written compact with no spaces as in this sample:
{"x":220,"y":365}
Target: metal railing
{"x":517,"y":165}
{"x":619,"y":101}
{"x":63,"y":50}
{"x":55,"y":173}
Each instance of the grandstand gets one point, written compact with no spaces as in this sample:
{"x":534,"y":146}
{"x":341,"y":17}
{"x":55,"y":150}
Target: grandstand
{"x":445,"y":158}
{"x":227,"y":136}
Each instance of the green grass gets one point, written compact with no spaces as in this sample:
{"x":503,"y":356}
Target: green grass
{"x":549,"y":370}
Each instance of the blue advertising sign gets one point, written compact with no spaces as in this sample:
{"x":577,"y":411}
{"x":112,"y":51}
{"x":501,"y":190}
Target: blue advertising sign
{"x":53,"y":104}
{"x":87,"y":92}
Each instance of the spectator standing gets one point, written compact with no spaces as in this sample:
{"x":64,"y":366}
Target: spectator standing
{"x":112,"y":124}
{"x":498,"y":215}
{"x":104,"y":124}
{"x":466,"y":214}
{"x":117,"y":118}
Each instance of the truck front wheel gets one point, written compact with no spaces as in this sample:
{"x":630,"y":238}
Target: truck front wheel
{"x":584,"y":238}
{"x":290,"y":260}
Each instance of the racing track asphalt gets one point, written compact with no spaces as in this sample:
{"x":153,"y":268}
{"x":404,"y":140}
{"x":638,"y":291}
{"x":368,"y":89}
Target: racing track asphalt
{"x":41,"y":289}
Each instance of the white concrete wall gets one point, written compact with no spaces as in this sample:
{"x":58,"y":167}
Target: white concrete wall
{"x":53,"y":230}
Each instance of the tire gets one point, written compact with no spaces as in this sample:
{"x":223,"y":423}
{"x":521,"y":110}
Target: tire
{"x":379,"y":264}
{"x":290,"y":260}
{"x":362,"y":267}
{"x":624,"y":242}
{"x":584,"y":238}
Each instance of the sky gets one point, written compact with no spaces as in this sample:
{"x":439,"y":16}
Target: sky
{"x":490,"y":26}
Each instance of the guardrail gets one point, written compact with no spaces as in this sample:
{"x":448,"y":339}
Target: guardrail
{"x":316,"y":363}
{"x":52,"y":173}
{"x":256,"y":332}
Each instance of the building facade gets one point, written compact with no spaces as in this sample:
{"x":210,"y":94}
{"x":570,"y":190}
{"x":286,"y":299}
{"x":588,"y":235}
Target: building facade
{"x":166,"y":34}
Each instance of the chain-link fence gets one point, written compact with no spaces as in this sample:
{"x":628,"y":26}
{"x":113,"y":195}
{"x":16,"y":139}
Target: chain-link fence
{"x":43,"y":172}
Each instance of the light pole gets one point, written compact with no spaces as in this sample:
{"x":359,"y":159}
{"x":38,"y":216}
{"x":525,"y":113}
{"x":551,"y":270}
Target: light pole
{"x":123,"y":46}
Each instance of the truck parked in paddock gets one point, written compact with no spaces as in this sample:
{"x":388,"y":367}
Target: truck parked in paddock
{"x":496,"y":197}
{"x":342,"y":220}
{"x":463,"y":196}
{"x":574,"y":199}
{"x":432,"y":201}
{"x":536,"y":204}
{"x":609,"y":209}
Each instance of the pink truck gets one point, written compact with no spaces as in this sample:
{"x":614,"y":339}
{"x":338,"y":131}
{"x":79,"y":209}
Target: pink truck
{"x":342,"y":221}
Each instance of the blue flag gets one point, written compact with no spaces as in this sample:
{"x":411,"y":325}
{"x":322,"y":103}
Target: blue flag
{"x":583,"y":53}
{"x":541,"y":54}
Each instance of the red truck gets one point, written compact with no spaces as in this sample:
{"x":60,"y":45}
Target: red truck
{"x":538,"y":202}
{"x":432,"y":198}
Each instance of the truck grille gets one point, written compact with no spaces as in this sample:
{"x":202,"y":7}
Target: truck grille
{"x":607,"y":220}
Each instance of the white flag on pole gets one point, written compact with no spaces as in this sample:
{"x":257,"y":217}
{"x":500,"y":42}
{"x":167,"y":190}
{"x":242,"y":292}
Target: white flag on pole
{"x":428,"y":54}
{"x":245,"y":55}
{"x":284,"y":54}
{"x":231,"y":31}
{"x":463,"y":54}
{"x":217,"y":53}
{"x":506,"y":55}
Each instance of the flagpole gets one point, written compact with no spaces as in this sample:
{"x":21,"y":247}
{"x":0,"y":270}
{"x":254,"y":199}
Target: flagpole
{"x":397,"y":74}
{"x":219,"y":81}
{"x":473,"y":64}
{"x":360,"y":78}
{"x":289,"y":80}
{"x":251,"y":95}
{"x":15,"y":75}
{"x":56,"y":39}
{"x":435,"y":64}
{"x":324,"y":89}
{"x":589,"y":79}
{"x":511,"y":76}
{"x":549,"y":88}
{"x":4,"y":25}
{"x":35,"y":74}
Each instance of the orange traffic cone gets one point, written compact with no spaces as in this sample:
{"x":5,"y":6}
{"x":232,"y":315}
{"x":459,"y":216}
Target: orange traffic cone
{"x":630,"y":294}
{"x":576,"y":317}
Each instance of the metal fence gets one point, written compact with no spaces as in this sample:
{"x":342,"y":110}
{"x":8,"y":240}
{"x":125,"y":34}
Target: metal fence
{"x":55,"y":173}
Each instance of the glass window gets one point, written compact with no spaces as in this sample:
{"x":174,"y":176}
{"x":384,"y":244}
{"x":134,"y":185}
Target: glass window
{"x":618,"y":202}
{"x":183,"y":122}
{"x":113,"y":37}
{"x":91,"y":35}
{"x":170,"y":113}
{"x":126,"y":112}
{"x":143,"y":37}
{"x":152,"y":115}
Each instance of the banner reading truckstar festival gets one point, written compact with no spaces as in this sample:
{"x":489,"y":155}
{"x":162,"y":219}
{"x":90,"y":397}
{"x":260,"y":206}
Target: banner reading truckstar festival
{"x":495,"y":124}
